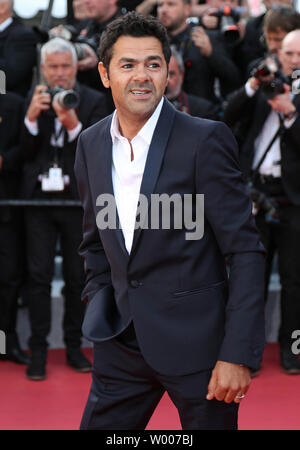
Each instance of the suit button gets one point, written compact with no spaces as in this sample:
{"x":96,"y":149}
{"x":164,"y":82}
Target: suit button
{"x":135,"y":283}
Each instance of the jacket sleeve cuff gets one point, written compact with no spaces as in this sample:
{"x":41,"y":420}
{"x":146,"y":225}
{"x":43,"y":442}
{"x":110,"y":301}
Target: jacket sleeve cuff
{"x":247,"y":355}
{"x":32,"y":127}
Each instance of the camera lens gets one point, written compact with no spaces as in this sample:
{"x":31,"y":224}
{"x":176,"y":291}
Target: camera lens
{"x":67,"y":99}
{"x":229,"y":29}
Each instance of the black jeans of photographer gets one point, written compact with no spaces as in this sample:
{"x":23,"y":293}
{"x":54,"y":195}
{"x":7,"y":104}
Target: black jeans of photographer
{"x":44,"y":225}
{"x":283,"y":238}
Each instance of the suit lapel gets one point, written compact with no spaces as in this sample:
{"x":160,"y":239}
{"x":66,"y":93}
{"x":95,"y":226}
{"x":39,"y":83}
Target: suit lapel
{"x":152,"y":168}
{"x":108,"y":185}
{"x":155,"y":157}
{"x":100,"y":170}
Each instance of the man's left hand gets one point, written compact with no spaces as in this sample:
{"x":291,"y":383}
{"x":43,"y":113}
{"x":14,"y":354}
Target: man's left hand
{"x":67,"y":117}
{"x":229,"y":382}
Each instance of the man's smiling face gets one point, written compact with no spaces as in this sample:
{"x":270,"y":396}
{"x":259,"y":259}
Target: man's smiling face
{"x":137,"y":76}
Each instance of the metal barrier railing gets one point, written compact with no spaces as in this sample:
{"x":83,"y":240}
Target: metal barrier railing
{"x":41,"y":202}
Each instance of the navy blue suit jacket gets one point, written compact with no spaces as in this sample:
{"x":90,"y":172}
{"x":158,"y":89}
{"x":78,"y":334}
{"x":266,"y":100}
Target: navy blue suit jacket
{"x":186,"y":311}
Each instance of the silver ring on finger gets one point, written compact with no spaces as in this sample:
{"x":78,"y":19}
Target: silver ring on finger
{"x":240,"y":396}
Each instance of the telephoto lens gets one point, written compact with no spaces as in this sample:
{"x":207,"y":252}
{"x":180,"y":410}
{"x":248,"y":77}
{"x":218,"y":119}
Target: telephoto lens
{"x":67,"y":99}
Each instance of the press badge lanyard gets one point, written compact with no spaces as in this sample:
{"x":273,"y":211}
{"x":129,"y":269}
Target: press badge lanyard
{"x":56,"y":135}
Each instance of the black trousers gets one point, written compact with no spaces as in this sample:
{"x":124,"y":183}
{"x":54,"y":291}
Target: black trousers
{"x":284,"y":238}
{"x":125,"y":391}
{"x":43,"y":228}
{"x":10,"y":273}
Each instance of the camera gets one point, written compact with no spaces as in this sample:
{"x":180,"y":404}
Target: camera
{"x":265,"y":68}
{"x":66,"y":98}
{"x":227,"y":22}
{"x":69,"y":33}
{"x":263,"y":202}
{"x":275,"y":85}
{"x":228,"y":19}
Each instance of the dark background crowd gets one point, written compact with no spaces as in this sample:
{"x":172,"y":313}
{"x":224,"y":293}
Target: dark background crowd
{"x":227,"y":64}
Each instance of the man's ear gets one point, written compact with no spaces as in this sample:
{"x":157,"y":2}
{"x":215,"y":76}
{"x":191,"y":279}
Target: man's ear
{"x":103,"y":75}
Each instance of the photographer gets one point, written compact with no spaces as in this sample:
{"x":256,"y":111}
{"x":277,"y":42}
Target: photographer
{"x":210,"y":17}
{"x":57,"y":112}
{"x":253,"y":45}
{"x":190,"y":104}
{"x":100,"y":13}
{"x":11,"y":118}
{"x":229,"y":19}
{"x":204,"y":54}
{"x":277,"y":24}
{"x":86,"y":37}
{"x":270,"y":158}
{"x":17,"y":50}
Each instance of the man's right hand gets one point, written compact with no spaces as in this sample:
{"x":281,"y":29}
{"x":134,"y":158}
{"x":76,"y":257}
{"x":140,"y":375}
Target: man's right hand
{"x":40,"y":101}
{"x":202,"y":41}
{"x":254,"y":82}
{"x":209,"y":20}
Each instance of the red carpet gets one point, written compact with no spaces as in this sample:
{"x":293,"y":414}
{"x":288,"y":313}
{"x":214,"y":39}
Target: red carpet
{"x":272,"y":403}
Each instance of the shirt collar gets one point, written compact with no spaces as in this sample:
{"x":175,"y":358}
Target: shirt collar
{"x":5,"y":24}
{"x":295,"y":88}
{"x":146,"y":132}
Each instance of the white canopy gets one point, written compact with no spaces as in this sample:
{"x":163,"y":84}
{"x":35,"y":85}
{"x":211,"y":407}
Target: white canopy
{"x":29,"y":8}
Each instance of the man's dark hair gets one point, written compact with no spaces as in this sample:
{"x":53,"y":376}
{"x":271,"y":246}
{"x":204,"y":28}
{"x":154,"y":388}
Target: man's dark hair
{"x":286,"y":19}
{"x":134,"y":25}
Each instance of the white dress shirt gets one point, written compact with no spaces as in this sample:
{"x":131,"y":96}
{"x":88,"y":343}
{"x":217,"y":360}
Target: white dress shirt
{"x":126,"y":174}
{"x":271,"y":164}
{"x":33,"y":129}
{"x":5,"y":24}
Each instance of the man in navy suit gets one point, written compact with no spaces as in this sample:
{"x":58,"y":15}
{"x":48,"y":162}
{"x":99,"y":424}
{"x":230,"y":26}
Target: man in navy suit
{"x":162,"y":312}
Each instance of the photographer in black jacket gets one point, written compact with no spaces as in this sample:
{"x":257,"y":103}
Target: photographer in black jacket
{"x":52,"y":125}
{"x":277,"y":24}
{"x":17,"y":50}
{"x":101,"y":13}
{"x":188,"y":103}
{"x":204,"y":54}
{"x":253,"y":46}
{"x":270,"y":156}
